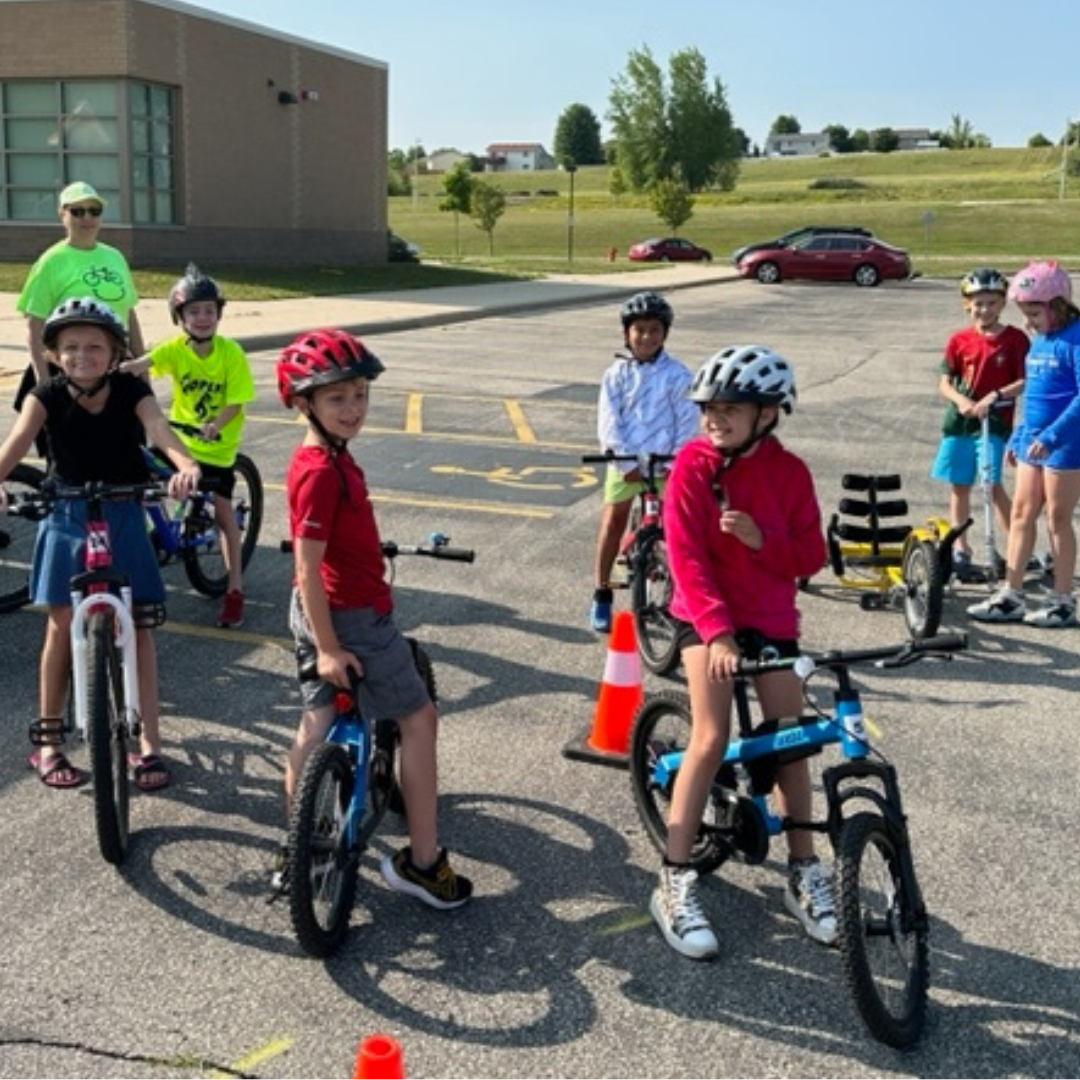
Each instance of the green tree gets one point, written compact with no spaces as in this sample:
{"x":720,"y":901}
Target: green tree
{"x":577,"y":137}
{"x":672,"y":129}
{"x":488,"y":204}
{"x":672,"y":203}
{"x":884,"y":140}
{"x":839,"y":138}
{"x":860,"y":141}
{"x":704,"y":148}
{"x":785,"y":125}
{"x":1038,"y":141}
{"x":457,"y":187}
{"x":398,"y":181}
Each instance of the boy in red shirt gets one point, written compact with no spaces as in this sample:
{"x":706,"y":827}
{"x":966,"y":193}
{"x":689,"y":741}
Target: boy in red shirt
{"x":983,"y":366}
{"x":341,"y":613}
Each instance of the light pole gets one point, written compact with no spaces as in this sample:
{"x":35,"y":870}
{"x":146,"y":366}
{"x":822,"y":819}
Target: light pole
{"x":416,"y":175}
{"x":571,"y":168}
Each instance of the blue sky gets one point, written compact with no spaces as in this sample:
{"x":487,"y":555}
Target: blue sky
{"x":469,"y":73}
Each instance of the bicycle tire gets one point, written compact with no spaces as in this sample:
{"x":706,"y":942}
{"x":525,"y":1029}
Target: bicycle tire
{"x":323,"y":870}
{"x":107,"y":737}
{"x":203,"y":548}
{"x":17,"y":538}
{"x":924,"y":589}
{"x":662,"y":725}
{"x":883,"y":932}
{"x":650,"y":597}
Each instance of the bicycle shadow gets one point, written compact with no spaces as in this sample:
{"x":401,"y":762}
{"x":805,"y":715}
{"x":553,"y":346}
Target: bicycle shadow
{"x":518,"y":968}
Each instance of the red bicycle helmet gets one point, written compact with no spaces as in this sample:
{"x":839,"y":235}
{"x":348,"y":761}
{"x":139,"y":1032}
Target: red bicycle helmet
{"x":321,"y":357}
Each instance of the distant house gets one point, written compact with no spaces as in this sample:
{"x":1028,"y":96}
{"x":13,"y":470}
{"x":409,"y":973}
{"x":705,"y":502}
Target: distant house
{"x":916,"y":139}
{"x":518,"y":157}
{"x":797,"y":144}
{"x":440,"y":161}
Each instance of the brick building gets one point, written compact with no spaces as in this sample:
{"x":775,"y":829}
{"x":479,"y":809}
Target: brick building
{"x":211,"y":138}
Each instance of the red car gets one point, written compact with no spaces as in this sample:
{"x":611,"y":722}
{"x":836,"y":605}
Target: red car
{"x":861,"y":259}
{"x":669,"y":249}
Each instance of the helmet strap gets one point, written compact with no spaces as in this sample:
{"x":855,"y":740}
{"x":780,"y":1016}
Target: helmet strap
{"x":193,"y":338}
{"x":335,"y":444}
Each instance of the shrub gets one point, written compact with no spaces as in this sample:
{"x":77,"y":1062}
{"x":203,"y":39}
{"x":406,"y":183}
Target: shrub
{"x":836,"y":183}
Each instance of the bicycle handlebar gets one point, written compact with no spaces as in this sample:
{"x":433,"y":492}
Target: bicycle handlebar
{"x":437,"y":547}
{"x":907,"y":652}
{"x":36,"y":504}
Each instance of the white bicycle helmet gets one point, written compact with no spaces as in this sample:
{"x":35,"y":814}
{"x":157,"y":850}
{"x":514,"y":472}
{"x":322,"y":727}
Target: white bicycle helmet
{"x":745,"y":373}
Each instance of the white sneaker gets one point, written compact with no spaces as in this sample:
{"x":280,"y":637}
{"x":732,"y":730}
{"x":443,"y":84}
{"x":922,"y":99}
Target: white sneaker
{"x":1006,"y":605}
{"x":809,"y":897}
{"x":1058,"y":609}
{"x":677,"y":910}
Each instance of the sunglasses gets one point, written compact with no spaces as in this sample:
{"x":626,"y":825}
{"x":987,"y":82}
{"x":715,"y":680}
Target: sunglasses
{"x":82,"y":211}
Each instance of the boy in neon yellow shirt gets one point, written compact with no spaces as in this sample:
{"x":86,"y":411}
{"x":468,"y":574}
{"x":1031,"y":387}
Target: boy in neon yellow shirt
{"x":211,"y":384}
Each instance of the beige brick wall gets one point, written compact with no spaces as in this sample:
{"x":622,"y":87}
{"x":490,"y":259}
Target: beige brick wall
{"x":256,"y":179}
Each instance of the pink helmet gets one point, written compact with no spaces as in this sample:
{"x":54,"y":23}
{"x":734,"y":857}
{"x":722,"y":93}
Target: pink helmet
{"x":1039,"y":283}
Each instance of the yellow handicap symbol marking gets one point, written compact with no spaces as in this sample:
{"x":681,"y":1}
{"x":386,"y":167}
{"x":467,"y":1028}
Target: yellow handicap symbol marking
{"x":506,"y":475}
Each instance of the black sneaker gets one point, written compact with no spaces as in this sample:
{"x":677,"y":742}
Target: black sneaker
{"x":437,"y":885}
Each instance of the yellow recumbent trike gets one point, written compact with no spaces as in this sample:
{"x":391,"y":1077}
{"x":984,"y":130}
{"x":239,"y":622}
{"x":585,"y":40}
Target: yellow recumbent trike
{"x":896,"y":565}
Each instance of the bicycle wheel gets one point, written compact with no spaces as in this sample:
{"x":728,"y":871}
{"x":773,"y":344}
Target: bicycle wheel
{"x":650,"y":597}
{"x":17,"y":535}
{"x":924,"y":588}
{"x":883,"y":932}
{"x":204,"y":554}
{"x":662,"y":726}
{"x":322,"y":875}
{"x":107,"y":736}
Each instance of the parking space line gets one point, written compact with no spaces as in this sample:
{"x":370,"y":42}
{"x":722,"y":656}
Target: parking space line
{"x":520,"y":425}
{"x":414,"y":414}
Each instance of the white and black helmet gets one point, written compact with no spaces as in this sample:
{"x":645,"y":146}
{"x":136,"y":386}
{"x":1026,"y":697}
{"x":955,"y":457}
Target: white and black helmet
{"x":751,"y":373}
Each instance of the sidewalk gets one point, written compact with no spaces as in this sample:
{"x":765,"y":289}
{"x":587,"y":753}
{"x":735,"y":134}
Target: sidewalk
{"x":272,"y":324}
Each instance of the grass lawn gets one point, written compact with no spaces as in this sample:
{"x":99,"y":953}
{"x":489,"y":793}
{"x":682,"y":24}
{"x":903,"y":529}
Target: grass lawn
{"x":951,"y":209}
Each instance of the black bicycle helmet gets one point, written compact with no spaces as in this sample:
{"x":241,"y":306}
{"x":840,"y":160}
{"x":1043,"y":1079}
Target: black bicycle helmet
{"x":85,"y":311}
{"x":984,"y":279}
{"x":194,"y":285}
{"x":751,"y":373}
{"x":647,"y":305}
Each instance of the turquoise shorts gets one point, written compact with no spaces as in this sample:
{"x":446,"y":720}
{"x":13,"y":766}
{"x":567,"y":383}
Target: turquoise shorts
{"x":959,"y":459}
{"x":619,"y":490}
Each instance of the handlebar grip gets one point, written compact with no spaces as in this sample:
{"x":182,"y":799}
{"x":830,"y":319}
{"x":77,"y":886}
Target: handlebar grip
{"x":453,"y":554}
{"x":955,"y":642}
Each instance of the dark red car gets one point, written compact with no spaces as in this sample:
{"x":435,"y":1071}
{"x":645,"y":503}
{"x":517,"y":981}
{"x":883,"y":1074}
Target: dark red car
{"x":669,"y":249}
{"x":861,"y":259}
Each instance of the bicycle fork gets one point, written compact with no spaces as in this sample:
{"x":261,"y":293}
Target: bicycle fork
{"x":84,"y":605}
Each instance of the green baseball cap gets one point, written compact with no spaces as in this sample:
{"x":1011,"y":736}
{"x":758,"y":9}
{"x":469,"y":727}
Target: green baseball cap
{"x":80,"y":191}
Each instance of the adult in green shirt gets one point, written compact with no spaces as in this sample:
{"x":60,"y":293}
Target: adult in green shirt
{"x":79,"y":265}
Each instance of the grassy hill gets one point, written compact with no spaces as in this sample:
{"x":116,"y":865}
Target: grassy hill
{"x":949,"y":208}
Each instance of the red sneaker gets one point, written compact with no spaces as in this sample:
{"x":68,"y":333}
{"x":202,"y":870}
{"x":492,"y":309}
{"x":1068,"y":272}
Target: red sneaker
{"x":232,"y":610}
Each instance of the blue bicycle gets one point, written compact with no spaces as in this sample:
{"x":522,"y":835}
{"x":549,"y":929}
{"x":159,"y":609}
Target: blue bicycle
{"x":882,"y":921}
{"x":347,"y":785}
{"x":186,"y":530}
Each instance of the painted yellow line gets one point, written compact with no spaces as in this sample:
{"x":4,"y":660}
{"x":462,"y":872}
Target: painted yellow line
{"x":272,"y":1049}
{"x":872,"y":727}
{"x":506,"y":509}
{"x":218,"y":633}
{"x":521,"y":426}
{"x":414,"y":414}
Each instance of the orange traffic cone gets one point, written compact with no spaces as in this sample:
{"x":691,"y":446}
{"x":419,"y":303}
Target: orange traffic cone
{"x":621,"y":694}
{"x":379,"y":1058}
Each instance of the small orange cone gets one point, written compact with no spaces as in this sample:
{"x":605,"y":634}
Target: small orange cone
{"x":621,"y":694}
{"x":379,"y":1058}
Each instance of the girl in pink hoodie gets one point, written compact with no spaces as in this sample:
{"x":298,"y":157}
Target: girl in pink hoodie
{"x":742,"y":526}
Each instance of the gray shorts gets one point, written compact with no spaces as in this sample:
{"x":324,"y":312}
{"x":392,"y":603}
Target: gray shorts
{"x":391,"y":688}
